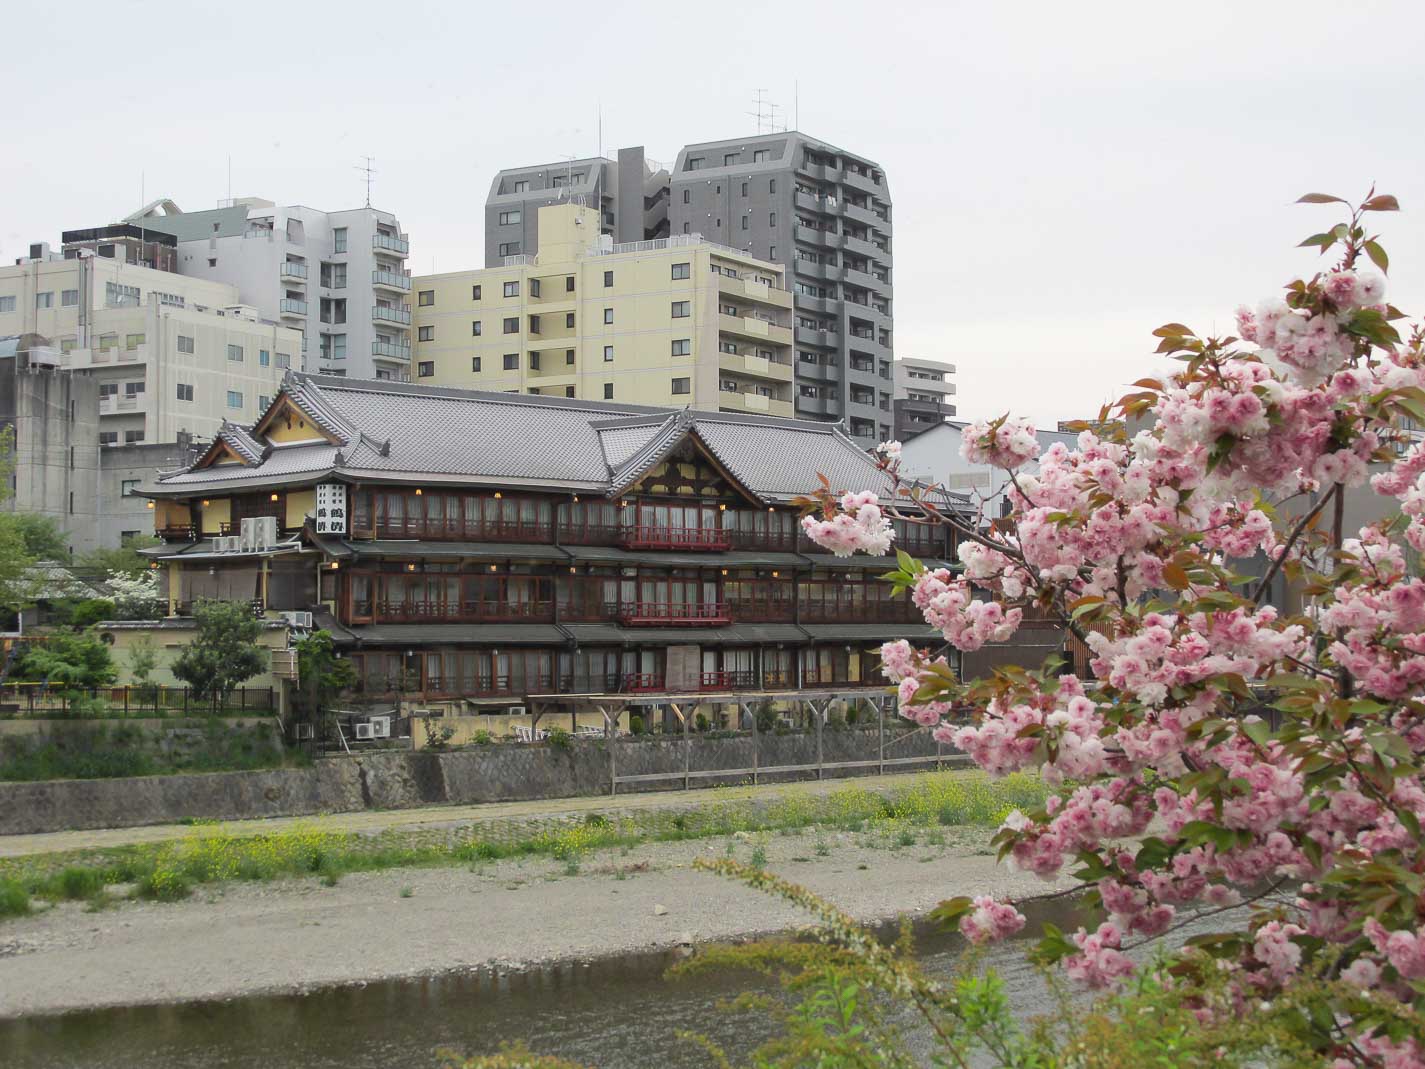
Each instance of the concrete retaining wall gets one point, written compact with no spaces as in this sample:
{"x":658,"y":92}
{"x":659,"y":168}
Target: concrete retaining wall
{"x":402,"y":779}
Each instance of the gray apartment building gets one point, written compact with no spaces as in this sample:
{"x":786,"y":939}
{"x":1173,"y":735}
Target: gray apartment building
{"x":631,"y":194}
{"x":822,"y":212}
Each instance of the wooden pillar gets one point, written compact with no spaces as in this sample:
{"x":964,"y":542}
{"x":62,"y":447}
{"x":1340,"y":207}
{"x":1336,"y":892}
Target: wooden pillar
{"x":687,"y":746}
{"x":175,"y":587}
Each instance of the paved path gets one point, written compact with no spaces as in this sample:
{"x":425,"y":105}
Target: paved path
{"x":380,"y":820}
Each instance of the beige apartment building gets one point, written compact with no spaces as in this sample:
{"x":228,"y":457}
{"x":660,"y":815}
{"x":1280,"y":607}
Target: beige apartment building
{"x":671,"y":321}
{"x":171,"y":354}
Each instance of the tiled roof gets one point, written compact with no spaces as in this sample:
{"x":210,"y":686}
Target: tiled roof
{"x":241,"y":442}
{"x":404,"y":432}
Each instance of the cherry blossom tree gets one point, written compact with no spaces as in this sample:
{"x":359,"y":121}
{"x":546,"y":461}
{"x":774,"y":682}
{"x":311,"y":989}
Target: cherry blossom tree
{"x":1251,"y":767}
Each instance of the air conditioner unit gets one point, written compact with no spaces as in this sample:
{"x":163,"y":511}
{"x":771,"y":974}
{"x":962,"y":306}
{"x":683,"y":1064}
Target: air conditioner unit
{"x":258,"y":533}
{"x":299,"y":620}
{"x":516,"y":710}
{"x":365,"y":731}
{"x":303,"y":731}
{"x":227,"y":544}
{"x":381,"y":727}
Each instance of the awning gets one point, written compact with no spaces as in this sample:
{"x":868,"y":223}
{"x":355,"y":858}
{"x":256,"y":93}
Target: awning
{"x":870,"y":634}
{"x":423,"y":636}
{"x":457,"y":550}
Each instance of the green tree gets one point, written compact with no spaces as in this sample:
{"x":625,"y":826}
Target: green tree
{"x":71,"y":662}
{"x":80,"y":615}
{"x":321,"y":676}
{"x":225,"y":651}
{"x":124,"y":559}
{"x":43,"y":537}
{"x":142,"y":662}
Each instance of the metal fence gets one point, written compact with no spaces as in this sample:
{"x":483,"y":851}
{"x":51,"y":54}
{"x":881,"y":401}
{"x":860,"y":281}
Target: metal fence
{"x":55,"y":701}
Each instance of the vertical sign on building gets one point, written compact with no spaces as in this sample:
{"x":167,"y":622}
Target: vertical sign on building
{"x":331,"y":508}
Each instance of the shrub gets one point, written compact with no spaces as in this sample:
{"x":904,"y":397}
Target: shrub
{"x":482,"y":738}
{"x":560,"y":739}
{"x":14,"y":899}
{"x":635,"y":725}
{"x":78,"y":882}
{"x":165,"y":885}
{"x":701,"y":722}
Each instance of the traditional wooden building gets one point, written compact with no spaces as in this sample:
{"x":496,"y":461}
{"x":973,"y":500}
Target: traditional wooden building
{"x":486,"y":549}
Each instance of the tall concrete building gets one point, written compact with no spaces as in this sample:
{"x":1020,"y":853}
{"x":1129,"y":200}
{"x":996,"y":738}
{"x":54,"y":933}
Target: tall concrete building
{"x":923,"y":392}
{"x":630,"y":195}
{"x":821,"y":212}
{"x":667,"y":321}
{"x":338,"y":277}
{"x":171,"y":356}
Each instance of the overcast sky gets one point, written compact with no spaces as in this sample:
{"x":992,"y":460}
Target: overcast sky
{"x":1065,"y":177}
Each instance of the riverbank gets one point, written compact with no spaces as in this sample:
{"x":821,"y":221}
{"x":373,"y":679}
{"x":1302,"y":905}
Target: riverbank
{"x":238,"y":939}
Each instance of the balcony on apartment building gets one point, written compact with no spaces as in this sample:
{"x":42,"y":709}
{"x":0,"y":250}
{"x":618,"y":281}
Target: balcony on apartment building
{"x":672,"y":614}
{"x":744,"y":397}
{"x":864,"y":180}
{"x":292,"y":271}
{"x":662,"y":537}
{"x":754,"y":325}
{"x":390,"y":245}
{"x":387,"y":314}
{"x":291,"y":308}
{"x":399,"y":281}
{"x":777,"y":367}
{"x":760,"y":288}
{"x":391,"y":350}
{"x":914,"y":415}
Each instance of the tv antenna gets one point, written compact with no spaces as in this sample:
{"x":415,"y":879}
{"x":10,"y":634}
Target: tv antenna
{"x":369,"y":171}
{"x":764,"y":111}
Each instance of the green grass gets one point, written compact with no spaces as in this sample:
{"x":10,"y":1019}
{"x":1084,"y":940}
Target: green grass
{"x":170,"y":871}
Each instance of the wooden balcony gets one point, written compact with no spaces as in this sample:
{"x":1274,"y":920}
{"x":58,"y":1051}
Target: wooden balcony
{"x":777,"y":610}
{"x":456,"y":529}
{"x":695,"y":538}
{"x":635,"y":682}
{"x":898,"y":611}
{"x":178,"y":532}
{"x":728,"y":681}
{"x":673,"y":614}
{"x":432,"y":612}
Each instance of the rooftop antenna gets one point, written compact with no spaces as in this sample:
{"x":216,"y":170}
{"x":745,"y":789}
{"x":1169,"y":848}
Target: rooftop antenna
{"x":230,"y":180}
{"x":796,"y":105}
{"x":366,"y":168}
{"x":772,"y":118}
{"x":764,"y":109}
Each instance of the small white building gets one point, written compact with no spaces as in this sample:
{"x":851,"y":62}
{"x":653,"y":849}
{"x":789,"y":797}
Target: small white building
{"x":934,"y":456}
{"x":337,"y":277}
{"x":924,"y":395}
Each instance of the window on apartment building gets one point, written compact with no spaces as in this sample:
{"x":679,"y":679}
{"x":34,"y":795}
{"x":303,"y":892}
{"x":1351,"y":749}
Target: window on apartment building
{"x":568,"y":283}
{"x":425,"y":369}
{"x":234,"y":398}
{"x":108,"y":437}
{"x":727,"y":347}
{"x":535,"y":325}
{"x":744,"y":189}
{"x":117,"y":296}
{"x":534,"y":287}
{"x":474,"y":293}
{"x":569,"y":320}
{"x":185,"y":391}
{"x":682,"y":346}
{"x":534,"y":361}
{"x":608,"y":354}
{"x":339,"y":239}
{"x":729,"y":158}
{"x":235,"y":353}
{"x":44,"y":300}
{"x":108,"y":389}
{"x":284,"y":360}
{"x":425,"y":334}
{"x":512,"y":361}
{"x":771,"y":185}
{"x":130,"y":437}
{"x":129,"y":487}
{"x":512,"y":325}
{"x":512,"y":289}
{"x":745,"y":222}
{"x":425,"y":298}
{"x":510,"y":218}
{"x":475,"y":329}
{"x":133,"y":341}
{"x":695,"y":163}
{"x":133,"y":389}
{"x":687,"y":196}
{"x":682,"y":386}
{"x":760,"y":155}
{"x":608,"y":315}
{"x":68,"y":298}
{"x":68,"y":345}
{"x":569,"y":356}
{"x":264,"y":358}
{"x":522,"y":186}
{"x":509,"y":248}
{"x":7,"y":304}
{"x":185,"y":344}
{"x":771,"y":252}
{"x":608,"y":279}
{"x":686,"y":228}
{"x":568,"y":391}
{"x":608,"y":391}
{"x":682,"y":309}
{"x":682,"y":270}
{"x":718,"y":224}
{"x":771,"y":218}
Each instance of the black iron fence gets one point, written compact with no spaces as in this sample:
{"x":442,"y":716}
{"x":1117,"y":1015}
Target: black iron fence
{"x":53,"y":700}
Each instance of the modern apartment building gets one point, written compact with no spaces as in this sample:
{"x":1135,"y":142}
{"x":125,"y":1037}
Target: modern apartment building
{"x":668,"y":321}
{"x":479,"y":550}
{"x":629,"y":194}
{"x":172,"y":355}
{"x":337,"y":277}
{"x":923,"y":389}
{"x":818,"y":210}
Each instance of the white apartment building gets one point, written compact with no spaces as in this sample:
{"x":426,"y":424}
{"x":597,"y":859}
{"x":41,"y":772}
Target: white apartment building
{"x":170,"y":354}
{"x":338,"y":277}
{"x":924,"y":395}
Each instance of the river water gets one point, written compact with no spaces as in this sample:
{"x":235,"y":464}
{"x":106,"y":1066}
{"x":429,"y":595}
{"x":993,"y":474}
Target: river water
{"x":620,"y":1013}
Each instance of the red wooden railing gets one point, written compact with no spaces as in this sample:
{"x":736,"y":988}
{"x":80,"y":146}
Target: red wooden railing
{"x":672,"y":613}
{"x":655,"y":537}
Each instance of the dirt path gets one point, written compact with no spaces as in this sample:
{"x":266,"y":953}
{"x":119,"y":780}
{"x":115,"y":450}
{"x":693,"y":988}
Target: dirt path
{"x":246,"y":939}
{"x":368,"y":821}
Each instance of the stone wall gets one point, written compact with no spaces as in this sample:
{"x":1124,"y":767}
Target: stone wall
{"x":398,"y":779}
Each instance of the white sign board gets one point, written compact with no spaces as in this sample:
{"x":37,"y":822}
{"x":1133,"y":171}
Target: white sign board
{"x":331,"y":508}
